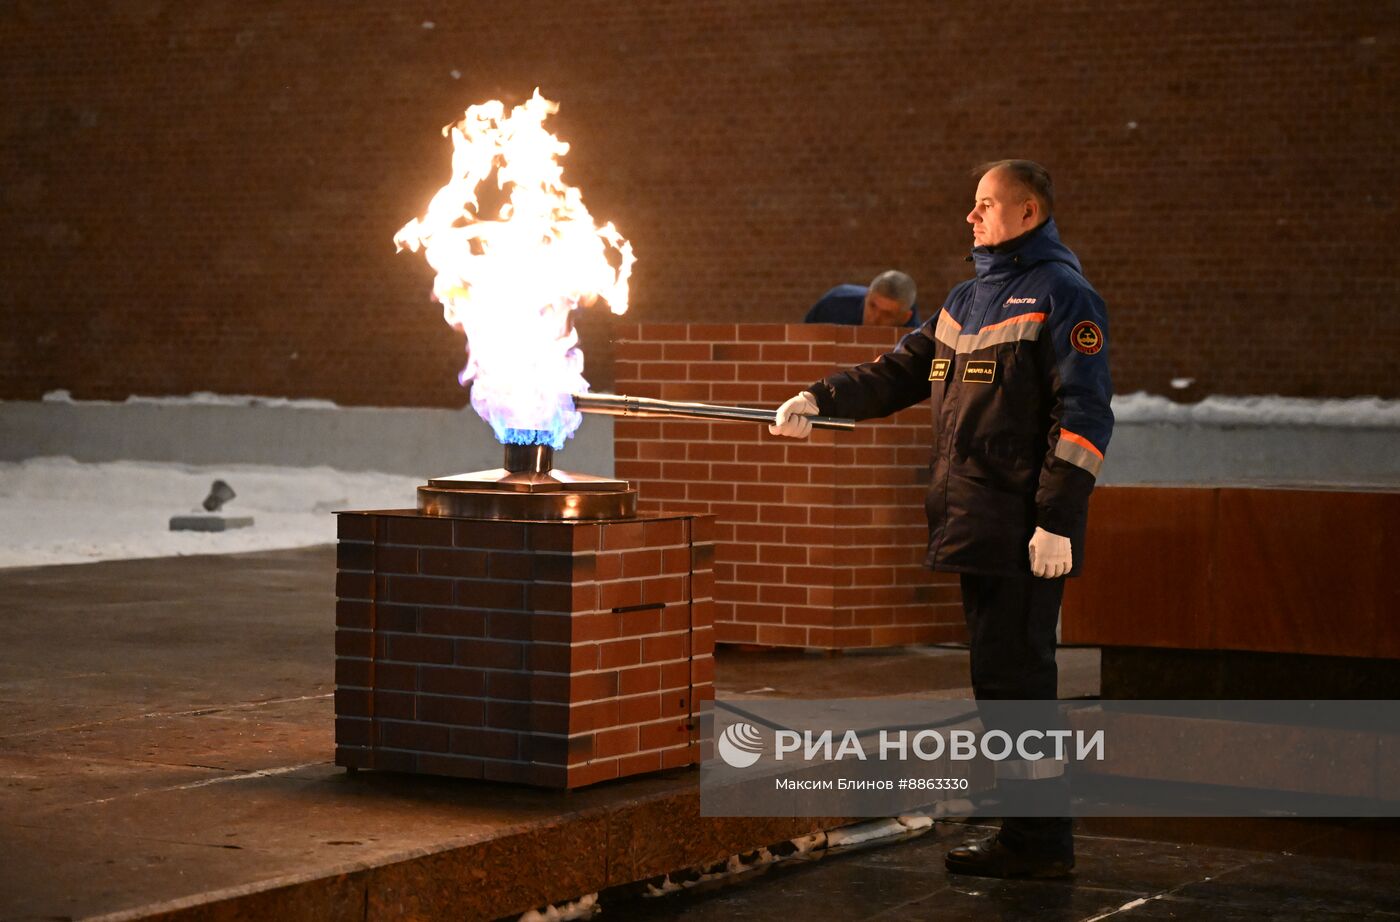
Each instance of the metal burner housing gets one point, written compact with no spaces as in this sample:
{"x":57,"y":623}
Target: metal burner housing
{"x":527,"y":487}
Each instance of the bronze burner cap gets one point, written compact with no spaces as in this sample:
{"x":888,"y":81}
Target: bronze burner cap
{"x":528,"y":495}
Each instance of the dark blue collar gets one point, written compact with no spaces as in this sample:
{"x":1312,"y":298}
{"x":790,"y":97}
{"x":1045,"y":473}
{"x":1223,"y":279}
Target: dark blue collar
{"x":1037,"y":245}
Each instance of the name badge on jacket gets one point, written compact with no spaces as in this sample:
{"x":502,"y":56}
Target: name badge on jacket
{"x":939,"y":370}
{"x":979,"y":372}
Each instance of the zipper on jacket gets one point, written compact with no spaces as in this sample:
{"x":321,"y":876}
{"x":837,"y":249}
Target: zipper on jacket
{"x":952,"y":372}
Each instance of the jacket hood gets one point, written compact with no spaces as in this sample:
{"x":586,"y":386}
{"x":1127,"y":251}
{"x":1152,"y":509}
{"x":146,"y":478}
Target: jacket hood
{"x":1040,"y":245}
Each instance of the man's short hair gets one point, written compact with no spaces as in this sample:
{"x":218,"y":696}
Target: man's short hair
{"x":1028,"y":173}
{"x":895,"y":284}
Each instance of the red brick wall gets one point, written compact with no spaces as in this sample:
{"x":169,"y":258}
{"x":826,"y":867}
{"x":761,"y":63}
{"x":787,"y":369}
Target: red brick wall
{"x":818,"y":543}
{"x":202,"y":196}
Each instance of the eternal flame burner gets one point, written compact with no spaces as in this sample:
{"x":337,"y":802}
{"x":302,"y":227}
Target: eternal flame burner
{"x":527,"y":487}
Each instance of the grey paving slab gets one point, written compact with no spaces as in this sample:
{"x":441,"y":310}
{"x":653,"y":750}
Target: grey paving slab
{"x":964,"y":900}
{"x":237,"y":738}
{"x":1130,"y":865}
{"x":1302,"y":885}
{"x":1151,"y":867}
{"x":1171,"y":908}
{"x":125,"y":638}
{"x":50,"y":874}
{"x":32,"y":784}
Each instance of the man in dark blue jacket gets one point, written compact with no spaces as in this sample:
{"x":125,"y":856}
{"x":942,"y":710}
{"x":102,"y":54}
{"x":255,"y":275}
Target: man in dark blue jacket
{"x":1016,"y":366}
{"x":888,"y":301}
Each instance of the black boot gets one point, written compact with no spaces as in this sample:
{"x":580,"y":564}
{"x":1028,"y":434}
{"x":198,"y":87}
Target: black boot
{"x":1036,"y":817}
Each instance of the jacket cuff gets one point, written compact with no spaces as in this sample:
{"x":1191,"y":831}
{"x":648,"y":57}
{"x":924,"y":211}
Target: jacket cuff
{"x":1058,"y":520}
{"x":826,"y":400}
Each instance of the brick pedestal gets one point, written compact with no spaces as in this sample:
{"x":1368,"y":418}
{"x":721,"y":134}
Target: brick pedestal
{"x":819,"y":543}
{"x":550,"y":653}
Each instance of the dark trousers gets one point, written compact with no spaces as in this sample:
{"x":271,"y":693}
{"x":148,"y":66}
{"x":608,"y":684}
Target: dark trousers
{"x":1011,"y":624}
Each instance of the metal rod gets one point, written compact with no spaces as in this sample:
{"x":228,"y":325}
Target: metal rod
{"x":621,"y":405}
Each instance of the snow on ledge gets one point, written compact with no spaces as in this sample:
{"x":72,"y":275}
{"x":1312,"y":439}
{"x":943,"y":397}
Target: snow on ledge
{"x":1349,"y":413}
{"x":200,"y":398}
{"x":1140,"y":407}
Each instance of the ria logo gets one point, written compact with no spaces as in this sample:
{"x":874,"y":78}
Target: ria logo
{"x":740,"y":745}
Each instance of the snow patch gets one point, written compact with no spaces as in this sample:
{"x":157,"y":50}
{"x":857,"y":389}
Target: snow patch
{"x":57,"y":510}
{"x":199,"y":398}
{"x":1349,"y":413}
{"x":866,"y":833}
{"x":583,"y":908}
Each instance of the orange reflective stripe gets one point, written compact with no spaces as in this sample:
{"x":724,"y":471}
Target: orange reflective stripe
{"x":1023,"y":318}
{"x":947,"y":330}
{"x":1080,"y":441}
{"x":1010,"y":330}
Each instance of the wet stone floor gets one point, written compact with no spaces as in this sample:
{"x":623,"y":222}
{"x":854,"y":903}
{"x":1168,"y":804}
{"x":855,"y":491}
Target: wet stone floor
{"x":1115,"y":878}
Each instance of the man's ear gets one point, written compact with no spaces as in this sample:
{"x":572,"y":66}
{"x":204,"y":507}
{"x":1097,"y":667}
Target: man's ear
{"x":1032,"y":210}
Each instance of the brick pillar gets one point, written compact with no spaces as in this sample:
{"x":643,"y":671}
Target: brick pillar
{"x":551,"y":653}
{"x":819,"y":543}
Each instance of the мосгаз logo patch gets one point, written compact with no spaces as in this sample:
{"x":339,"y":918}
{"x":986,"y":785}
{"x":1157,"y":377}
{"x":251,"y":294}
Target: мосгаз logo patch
{"x":740,"y":745}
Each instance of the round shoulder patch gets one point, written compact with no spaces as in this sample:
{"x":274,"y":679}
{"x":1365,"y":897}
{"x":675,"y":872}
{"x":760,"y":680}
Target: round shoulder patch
{"x":1086,"y":337}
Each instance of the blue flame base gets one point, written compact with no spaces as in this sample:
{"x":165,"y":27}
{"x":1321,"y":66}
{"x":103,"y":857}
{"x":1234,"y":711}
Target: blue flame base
{"x":532,"y":437}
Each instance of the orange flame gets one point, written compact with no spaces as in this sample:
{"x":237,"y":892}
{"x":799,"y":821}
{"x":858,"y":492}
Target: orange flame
{"x":510,"y":279}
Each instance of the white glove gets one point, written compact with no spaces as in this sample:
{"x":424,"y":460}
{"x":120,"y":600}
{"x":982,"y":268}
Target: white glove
{"x":792,"y":420}
{"x":1050,"y":554}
